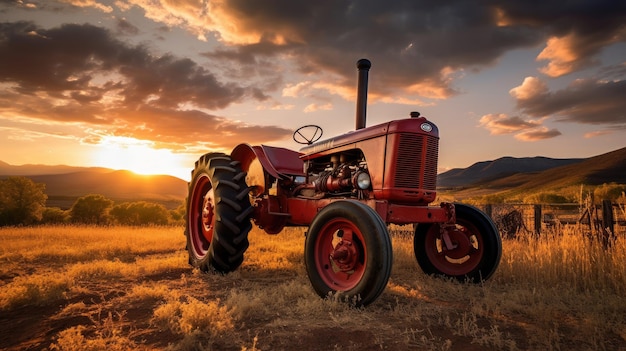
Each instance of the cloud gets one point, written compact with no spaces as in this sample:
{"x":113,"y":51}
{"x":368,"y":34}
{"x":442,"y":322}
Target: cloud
{"x":318,"y":107}
{"x":89,"y":3}
{"x":584,"y":101}
{"x":537,"y":134}
{"x":419,"y":52}
{"x":82,"y":74}
{"x":524,"y":130}
{"x":587,"y":101}
{"x":126,"y":28}
{"x":498,"y":124}
{"x":411,"y":43}
{"x":531,"y":88}
{"x":576,"y":30}
{"x":417,"y":48}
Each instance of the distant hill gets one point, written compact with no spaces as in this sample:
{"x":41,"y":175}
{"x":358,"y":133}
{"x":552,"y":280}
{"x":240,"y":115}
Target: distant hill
{"x":26,"y":170}
{"x":597,"y":170}
{"x":64,"y":184}
{"x":481,"y":172}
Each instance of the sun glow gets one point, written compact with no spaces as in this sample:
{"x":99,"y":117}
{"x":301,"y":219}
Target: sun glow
{"x":140,"y":156}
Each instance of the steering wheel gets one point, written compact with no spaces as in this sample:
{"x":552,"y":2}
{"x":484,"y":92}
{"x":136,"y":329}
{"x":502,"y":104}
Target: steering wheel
{"x":307,"y":134}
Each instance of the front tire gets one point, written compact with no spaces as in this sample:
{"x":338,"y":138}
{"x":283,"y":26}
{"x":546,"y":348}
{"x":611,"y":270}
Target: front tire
{"x":477,"y":252}
{"x":348,"y":252}
{"x":218,"y":214}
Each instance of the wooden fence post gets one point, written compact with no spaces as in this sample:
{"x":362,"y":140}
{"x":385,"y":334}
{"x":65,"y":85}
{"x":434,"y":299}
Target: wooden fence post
{"x":537,"y":219}
{"x":608,"y":227}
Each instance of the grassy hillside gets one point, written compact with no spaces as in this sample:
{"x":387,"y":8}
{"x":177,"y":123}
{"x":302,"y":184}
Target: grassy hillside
{"x":598,"y":170}
{"x":500,"y":168}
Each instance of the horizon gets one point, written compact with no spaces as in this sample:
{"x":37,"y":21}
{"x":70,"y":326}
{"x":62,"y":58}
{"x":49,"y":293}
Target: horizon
{"x":149,"y":88}
{"x":187,"y":179}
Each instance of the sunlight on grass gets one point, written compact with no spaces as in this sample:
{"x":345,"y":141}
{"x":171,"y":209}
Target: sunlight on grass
{"x":558,"y":291}
{"x":64,"y":244}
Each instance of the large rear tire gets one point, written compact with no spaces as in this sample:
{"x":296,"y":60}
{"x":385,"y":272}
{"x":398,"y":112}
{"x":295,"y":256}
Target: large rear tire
{"x":477,"y":246}
{"x":218,"y":214}
{"x":348,"y":252}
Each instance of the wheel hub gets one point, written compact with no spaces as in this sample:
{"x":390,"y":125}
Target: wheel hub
{"x":207,"y":215}
{"x":461,"y":244}
{"x":344,"y":256}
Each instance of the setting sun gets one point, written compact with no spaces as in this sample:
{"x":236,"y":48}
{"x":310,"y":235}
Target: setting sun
{"x":139,"y":156}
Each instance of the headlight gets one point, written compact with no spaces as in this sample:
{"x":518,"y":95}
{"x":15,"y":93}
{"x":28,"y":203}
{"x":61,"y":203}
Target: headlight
{"x":363,"y":180}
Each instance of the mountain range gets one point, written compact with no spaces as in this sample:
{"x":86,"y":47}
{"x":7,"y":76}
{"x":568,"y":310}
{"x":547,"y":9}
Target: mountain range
{"x":537,"y":173}
{"x":499,"y":168}
{"x":64,"y":184}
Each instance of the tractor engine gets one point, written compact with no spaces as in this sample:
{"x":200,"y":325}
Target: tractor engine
{"x":341,"y":176}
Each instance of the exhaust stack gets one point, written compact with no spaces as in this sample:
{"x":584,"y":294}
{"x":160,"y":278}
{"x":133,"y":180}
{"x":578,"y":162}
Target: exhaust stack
{"x":363,"y":65}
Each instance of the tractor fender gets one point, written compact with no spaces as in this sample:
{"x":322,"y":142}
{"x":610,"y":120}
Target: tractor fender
{"x":278,"y":162}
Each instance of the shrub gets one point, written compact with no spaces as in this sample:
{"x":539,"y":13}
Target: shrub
{"x":140,"y":213}
{"x":54,"y":215}
{"x":21,"y":201}
{"x":91,"y":209}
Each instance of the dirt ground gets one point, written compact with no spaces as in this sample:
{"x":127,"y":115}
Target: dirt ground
{"x":377,"y":327}
{"x":405,"y":317}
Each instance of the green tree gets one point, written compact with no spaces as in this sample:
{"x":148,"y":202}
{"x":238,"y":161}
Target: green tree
{"x":178,"y":214}
{"x":21,"y":201}
{"x":91,"y":209}
{"x":54,"y":215}
{"x":140,"y":213}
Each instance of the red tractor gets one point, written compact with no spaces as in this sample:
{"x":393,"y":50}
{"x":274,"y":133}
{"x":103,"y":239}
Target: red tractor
{"x":346,"y":189}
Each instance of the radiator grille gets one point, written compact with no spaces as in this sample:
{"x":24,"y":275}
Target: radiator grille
{"x":416,"y":165}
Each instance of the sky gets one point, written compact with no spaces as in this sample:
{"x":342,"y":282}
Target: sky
{"x":151,"y":85}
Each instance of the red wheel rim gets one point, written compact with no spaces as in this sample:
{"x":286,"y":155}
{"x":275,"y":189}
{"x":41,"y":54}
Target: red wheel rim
{"x":464,"y":257}
{"x":340,"y":254}
{"x":201,"y":216}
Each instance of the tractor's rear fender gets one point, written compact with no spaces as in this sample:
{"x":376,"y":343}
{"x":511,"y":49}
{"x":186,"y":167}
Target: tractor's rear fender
{"x":258,"y":161}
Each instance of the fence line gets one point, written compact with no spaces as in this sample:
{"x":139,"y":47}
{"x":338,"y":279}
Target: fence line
{"x":599,"y":220}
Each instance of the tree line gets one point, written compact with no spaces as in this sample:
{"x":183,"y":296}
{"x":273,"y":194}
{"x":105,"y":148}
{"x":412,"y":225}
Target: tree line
{"x":23,"y":202}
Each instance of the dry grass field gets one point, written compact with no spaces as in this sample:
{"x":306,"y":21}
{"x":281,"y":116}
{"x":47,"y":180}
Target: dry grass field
{"x":121,"y":288}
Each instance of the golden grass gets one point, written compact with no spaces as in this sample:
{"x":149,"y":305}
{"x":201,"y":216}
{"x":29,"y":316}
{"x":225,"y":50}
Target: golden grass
{"x":560,"y":291}
{"x":63,"y":256}
{"x":65,"y":244}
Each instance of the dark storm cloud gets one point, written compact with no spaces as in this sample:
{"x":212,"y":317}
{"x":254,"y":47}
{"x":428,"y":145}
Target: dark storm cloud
{"x":576,"y":31}
{"x":412,"y":42}
{"x":126,"y":28}
{"x":584,"y":101}
{"x":72,"y":57}
{"x":82,"y":73}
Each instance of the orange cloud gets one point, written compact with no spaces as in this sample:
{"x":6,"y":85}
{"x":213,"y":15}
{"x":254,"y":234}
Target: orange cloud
{"x":89,"y":3}
{"x":240,"y":25}
{"x":537,"y":134}
{"x":318,"y":107}
{"x":561,"y":56}
{"x":498,"y":124}
{"x":524,"y":130}
{"x":531,"y":87}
